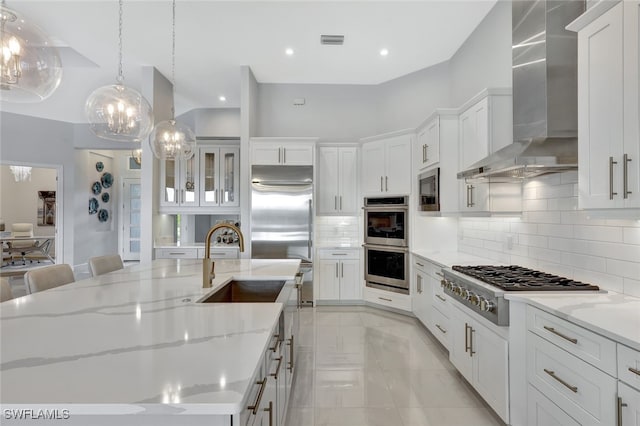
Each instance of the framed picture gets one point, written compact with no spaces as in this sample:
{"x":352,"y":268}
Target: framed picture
{"x":47,"y":208}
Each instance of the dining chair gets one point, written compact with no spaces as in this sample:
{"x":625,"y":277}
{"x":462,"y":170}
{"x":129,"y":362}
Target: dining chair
{"x":48,"y":277}
{"x":22,"y":247}
{"x":5,"y":290}
{"x":102,"y":264}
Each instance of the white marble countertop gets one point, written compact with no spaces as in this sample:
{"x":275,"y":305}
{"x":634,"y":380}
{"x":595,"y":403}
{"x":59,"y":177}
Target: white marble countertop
{"x":196,"y":245}
{"x":135,"y":341}
{"x":613,"y":315}
{"x":450,"y":258}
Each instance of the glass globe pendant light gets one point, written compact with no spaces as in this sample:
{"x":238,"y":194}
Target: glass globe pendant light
{"x":30,"y":67}
{"x":118,"y":112}
{"x":171,"y":139}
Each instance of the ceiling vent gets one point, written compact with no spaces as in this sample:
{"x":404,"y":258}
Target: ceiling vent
{"x":332,"y":40}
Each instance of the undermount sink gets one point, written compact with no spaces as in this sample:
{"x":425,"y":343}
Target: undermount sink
{"x":247,"y":291}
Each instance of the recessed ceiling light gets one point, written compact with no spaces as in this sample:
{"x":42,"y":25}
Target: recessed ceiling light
{"x":289,"y":51}
{"x":384,"y":52}
{"x":222,"y":98}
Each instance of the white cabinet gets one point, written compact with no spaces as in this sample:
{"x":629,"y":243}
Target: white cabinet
{"x":386,"y":166}
{"x":485,"y":126}
{"x":219,"y":176}
{"x":628,"y":386}
{"x":282,"y":151}
{"x":429,"y":303}
{"x":421,"y":299}
{"x":194,"y":252}
{"x":337,"y":180}
{"x":179,"y":183}
{"x":205,"y":183}
{"x":339,"y":275}
{"x":481,"y":355}
{"x":427,"y":148}
{"x":629,"y":405}
{"x":608,"y":113}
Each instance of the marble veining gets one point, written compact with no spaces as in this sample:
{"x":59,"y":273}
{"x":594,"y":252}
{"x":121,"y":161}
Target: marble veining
{"x":127,"y":340}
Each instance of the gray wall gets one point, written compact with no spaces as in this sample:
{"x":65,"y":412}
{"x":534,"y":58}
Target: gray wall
{"x":484,"y":60}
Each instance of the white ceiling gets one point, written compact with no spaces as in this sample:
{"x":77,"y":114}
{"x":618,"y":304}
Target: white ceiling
{"x":214,"y":38}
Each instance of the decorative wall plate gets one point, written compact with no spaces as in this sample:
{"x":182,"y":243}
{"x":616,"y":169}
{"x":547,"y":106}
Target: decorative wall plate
{"x":103,"y":215}
{"x":93,"y":205}
{"x":107,"y":180}
{"x":96,"y":188}
{"x":105,"y":197}
{"x":99,"y":166}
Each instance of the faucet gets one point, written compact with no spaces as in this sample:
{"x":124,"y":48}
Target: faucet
{"x":208,"y":264}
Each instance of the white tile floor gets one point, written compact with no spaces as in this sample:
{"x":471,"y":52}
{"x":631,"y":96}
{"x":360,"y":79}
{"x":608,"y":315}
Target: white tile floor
{"x":361,"y":366}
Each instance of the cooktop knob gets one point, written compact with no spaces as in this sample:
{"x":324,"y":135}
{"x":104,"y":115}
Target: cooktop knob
{"x":486,"y":305}
{"x":473,"y":298}
{"x":455,"y":289}
{"x":444,"y":283}
{"x":465,"y":293}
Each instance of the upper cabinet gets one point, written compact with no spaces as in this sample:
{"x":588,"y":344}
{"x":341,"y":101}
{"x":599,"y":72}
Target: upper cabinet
{"x":179,"y":183}
{"x":386,"y":165}
{"x":219,"y":176}
{"x":608,"y":113}
{"x":337,"y":180}
{"x":427,"y":148}
{"x":486,"y":125}
{"x":282,"y":151}
{"x":205,"y":183}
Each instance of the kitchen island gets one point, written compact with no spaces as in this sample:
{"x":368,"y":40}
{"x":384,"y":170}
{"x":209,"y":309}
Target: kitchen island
{"x":135,"y":346}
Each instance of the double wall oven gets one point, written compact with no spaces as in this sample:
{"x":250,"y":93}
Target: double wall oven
{"x":386,"y":241}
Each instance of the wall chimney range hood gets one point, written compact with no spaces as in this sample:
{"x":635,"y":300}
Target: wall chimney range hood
{"x":545,"y":98}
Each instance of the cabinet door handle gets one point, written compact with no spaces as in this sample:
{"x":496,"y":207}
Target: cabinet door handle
{"x":386,"y":183}
{"x":419,"y":264}
{"x":441,"y":329}
{"x":553,"y":330}
{"x":471,"y":203}
{"x":441,"y":298}
{"x":468,"y":197}
{"x":619,"y":416}
{"x":611,"y":163}
{"x":381,"y":189}
{"x":552,"y":373}
{"x":426,"y":153}
{"x":284,"y":155}
{"x":419,"y":284}
{"x":335,"y":202}
{"x":634,"y":371}
{"x":290,"y":343}
{"x":439,"y":274}
{"x":625,"y":172}
{"x":270,"y":410}
{"x":256,"y":404}
{"x":342,"y":269}
{"x":336,"y":269}
{"x":275,"y":375}
{"x":466,"y":337}
{"x":341,"y":203}
{"x":279,"y":155}
{"x":471,"y":351}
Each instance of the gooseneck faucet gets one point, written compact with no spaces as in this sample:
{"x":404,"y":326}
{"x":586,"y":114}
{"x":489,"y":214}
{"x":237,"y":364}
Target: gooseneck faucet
{"x":208,"y":264}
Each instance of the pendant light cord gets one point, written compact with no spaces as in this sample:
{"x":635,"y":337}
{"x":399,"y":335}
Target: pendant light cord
{"x":120,"y":77}
{"x":173,"y":63}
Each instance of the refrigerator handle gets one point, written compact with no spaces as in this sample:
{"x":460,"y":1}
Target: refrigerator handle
{"x":309,"y":242}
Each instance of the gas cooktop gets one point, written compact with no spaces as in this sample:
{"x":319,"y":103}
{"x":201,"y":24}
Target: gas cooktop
{"x":518,"y":278}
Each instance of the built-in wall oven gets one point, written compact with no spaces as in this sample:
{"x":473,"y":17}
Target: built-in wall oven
{"x":386,"y":237}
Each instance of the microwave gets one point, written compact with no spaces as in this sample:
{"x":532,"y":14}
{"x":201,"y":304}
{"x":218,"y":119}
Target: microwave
{"x":429,"y":190}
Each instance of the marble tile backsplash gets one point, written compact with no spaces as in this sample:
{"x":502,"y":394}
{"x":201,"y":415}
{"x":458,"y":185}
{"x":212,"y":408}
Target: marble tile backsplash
{"x":554,"y":236}
{"x":338,"y":231}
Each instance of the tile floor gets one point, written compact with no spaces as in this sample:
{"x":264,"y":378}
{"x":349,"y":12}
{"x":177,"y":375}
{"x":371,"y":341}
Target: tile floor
{"x":361,"y":366}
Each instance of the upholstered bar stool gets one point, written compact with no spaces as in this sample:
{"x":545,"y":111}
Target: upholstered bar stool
{"x":48,"y":277}
{"x":102,"y":264}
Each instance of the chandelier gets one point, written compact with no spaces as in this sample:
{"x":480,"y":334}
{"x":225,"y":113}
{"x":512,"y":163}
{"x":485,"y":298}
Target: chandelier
{"x":30,"y":67}
{"x":21,"y":173}
{"x":169,"y":138}
{"x":118,"y":112}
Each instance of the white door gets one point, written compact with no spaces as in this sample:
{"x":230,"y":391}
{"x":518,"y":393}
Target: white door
{"x":489,"y":372}
{"x":632,"y":101}
{"x":297,"y":154}
{"x":373,"y":163}
{"x":631,"y":408}
{"x":329,"y":288}
{"x":349,"y":283}
{"x":459,"y":352}
{"x":131,"y":202}
{"x":432,"y":143}
{"x":398,"y":166}
{"x":328,"y":180}
{"x":347,"y":184}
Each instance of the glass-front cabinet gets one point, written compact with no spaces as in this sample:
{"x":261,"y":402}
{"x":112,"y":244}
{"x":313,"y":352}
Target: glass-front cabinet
{"x":219,"y":178}
{"x":179,"y":182}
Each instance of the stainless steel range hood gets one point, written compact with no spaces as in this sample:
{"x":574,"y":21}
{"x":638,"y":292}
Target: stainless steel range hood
{"x":545,"y":99}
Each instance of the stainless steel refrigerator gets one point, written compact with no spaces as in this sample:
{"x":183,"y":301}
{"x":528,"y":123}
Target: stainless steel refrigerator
{"x":282,"y":217}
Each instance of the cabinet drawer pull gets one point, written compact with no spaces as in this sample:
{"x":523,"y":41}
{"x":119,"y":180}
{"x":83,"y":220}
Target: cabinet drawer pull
{"x":338,"y":254}
{"x":274,"y":348}
{"x":441,"y":298}
{"x":254,"y":407}
{"x":177,"y":253}
{"x":384,"y":298}
{"x":573,"y":389}
{"x":553,"y":330}
{"x":439,"y":274}
{"x":275,"y":375}
{"x":441,"y":329}
{"x":634,"y":371}
{"x":270,"y":410}
{"x":419,"y":264}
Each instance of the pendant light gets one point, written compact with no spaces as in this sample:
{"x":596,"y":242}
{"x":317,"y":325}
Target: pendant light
{"x":118,"y":112}
{"x":30,"y":67}
{"x":21,"y":173}
{"x":171,"y":139}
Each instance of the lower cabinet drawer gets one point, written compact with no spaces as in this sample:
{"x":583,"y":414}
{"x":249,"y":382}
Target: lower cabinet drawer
{"x":629,"y":366}
{"x":387,"y":298}
{"x":581,"y":390}
{"x":440,"y":300}
{"x":441,"y":328}
{"x":220,"y":253}
{"x":177,"y":253}
{"x":542,"y":412}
